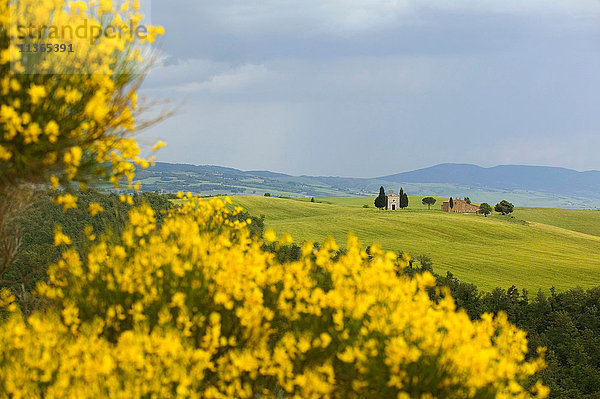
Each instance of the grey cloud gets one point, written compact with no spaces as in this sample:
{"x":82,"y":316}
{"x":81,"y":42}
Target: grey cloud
{"x":338,"y":87}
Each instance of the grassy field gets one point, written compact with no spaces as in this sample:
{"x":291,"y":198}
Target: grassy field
{"x":553,"y":247}
{"x":583,"y":221}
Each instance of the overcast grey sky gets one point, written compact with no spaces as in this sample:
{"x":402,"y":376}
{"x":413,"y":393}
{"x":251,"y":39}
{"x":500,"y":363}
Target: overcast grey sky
{"x":367,"y":88}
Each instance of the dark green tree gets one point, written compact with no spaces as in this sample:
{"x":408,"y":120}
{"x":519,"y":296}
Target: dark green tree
{"x":381,"y":199}
{"x":312,"y":199}
{"x":467,"y":200}
{"x":504,"y":207}
{"x":404,"y":201}
{"x":451,"y":203}
{"x":485,"y":209}
{"x":401,"y":195}
{"x":267,"y":194}
{"x":428,"y":201}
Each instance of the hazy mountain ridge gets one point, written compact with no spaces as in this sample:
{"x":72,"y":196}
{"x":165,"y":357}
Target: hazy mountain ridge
{"x":522,"y":185}
{"x":554,"y":180}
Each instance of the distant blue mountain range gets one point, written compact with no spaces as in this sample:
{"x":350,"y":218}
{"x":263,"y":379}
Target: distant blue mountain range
{"x":558,"y":181}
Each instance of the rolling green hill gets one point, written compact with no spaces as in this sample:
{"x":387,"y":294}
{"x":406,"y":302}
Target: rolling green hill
{"x":550,"y":247}
{"x":215,"y":180}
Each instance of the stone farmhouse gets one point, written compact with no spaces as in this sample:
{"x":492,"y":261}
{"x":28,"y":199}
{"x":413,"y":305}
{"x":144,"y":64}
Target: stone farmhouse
{"x":460,"y":206}
{"x":392,"y":201}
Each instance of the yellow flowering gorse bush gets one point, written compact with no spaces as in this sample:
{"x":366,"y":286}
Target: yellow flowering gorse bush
{"x":196,"y":307}
{"x":68,"y":116}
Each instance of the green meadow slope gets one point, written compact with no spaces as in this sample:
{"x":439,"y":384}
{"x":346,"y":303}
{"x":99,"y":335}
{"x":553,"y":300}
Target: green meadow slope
{"x":583,"y":221}
{"x":552,"y":248}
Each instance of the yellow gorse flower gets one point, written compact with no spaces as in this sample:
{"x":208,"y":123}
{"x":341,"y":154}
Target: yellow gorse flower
{"x":94,"y":208}
{"x":195,"y":307}
{"x":7,"y":300}
{"x":60,"y":238}
{"x":68,"y":201}
{"x":159,"y":144}
{"x":36,"y":93}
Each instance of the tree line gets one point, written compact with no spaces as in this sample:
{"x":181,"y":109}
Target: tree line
{"x":503,"y":207}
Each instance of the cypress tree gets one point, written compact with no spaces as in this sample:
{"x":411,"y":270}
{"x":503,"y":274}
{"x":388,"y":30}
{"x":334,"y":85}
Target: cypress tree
{"x":451,"y":203}
{"x":403,"y":198}
{"x":381,"y":199}
{"x":404,"y":201}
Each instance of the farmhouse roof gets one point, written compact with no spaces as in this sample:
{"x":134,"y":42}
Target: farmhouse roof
{"x":455,"y":199}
